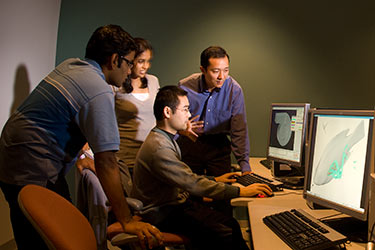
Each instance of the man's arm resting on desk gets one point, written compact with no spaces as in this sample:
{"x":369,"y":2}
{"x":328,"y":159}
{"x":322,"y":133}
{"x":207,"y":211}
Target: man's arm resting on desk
{"x":109,"y":176}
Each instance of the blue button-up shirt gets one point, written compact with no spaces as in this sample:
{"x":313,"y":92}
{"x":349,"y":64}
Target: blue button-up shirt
{"x":224,"y":112}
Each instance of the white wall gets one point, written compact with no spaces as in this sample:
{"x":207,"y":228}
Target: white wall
{"x":27,"y":53}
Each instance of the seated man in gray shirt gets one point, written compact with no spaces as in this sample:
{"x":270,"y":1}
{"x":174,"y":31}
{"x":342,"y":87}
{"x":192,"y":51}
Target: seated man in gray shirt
{"x":164,"y":183}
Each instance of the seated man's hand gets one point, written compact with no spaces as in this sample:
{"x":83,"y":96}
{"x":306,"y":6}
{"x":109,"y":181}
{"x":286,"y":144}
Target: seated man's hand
{"x":144,"y":231}
{"x":193,"y":128}
{"x":227,"y":177}
{"x":255,"y":189}
{"x":247,"y":172}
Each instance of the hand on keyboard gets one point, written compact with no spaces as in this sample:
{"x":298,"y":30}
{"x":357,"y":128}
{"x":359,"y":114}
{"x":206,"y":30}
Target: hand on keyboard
{"x":255,"y":189}
{"x":227,"y":177}
{"x":247,"y":172}
{"x":247,"y":179}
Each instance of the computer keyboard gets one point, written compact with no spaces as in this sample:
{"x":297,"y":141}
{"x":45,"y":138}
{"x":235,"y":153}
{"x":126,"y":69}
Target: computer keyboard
{"x":301,"y":230}
{"x":252,"y":178}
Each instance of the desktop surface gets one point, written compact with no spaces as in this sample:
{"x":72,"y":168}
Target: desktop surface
{"x":264,"y":238}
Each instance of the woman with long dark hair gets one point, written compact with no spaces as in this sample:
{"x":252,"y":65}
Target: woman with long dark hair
{"x":134,"y":109}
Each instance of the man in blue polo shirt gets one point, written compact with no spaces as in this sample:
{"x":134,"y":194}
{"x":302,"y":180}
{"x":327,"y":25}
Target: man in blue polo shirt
{"x":73,"y":105}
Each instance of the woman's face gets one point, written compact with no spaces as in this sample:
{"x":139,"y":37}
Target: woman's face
{"x":141,"y":64}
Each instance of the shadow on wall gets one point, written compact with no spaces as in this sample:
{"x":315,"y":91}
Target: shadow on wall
{"x":21,"y":87}
{"x":21,"y":91}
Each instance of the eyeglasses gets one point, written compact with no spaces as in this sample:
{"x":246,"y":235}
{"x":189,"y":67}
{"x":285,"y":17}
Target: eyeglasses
{"x":186,"y":110}
{"x":130,"y":64}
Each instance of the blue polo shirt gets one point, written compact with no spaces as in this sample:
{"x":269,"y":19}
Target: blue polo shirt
{"x":70,"y":106}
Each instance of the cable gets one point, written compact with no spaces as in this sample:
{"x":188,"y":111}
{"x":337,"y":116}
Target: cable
{"x":343,"y":245}
{"x":288,"y":193}
{"x":329,"y":216}
{"x":348,"y":242}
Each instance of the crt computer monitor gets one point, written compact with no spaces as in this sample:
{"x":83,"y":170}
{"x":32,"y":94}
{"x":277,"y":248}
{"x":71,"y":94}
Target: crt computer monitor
{"x":286,"y":140}
{"x":338,"y":160}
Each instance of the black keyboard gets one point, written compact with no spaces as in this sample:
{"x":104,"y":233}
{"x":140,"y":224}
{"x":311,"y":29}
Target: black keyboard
{"x":301,"y":230}
{"x":252,"y":178}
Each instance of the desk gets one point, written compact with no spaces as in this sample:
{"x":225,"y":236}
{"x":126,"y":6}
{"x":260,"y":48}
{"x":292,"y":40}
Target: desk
{"x":262,"y":237}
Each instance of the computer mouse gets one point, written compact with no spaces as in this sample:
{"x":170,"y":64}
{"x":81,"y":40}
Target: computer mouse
{"x":336,"y":153}
{"x":263,"y":196}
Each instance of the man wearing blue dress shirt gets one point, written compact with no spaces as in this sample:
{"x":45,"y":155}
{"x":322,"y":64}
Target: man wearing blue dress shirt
{"x":217,"y":99}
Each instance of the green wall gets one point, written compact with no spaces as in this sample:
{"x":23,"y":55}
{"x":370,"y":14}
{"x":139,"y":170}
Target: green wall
{"x":322,"y":52}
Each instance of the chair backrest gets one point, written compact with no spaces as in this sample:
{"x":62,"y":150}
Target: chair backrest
{"x":93,"y":204}
{"x":61,"y":225}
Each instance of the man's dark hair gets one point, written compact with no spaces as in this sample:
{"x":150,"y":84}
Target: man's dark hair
{"x":108,"y":40}
{"x":142,"y":46}
{"x":167,"y":96}
{"x":212,"y":52}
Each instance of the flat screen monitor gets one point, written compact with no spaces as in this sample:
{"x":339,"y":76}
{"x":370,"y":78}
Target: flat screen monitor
{"x":338,"y":160}
{"x":286,"y":140}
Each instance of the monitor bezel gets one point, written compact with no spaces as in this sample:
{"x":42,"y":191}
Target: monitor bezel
{"x":299,"y":163}
{"x":369,"y":154}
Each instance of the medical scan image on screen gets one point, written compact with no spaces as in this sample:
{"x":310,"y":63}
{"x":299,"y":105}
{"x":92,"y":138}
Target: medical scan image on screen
{"x":286,"y":133}
{"x":283,"y":130}
{"x":339,"y":158}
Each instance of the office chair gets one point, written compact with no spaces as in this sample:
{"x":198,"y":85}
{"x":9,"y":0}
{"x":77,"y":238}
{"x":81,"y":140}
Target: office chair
{"x":59,"y":223}
{"x":93,"y":203}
